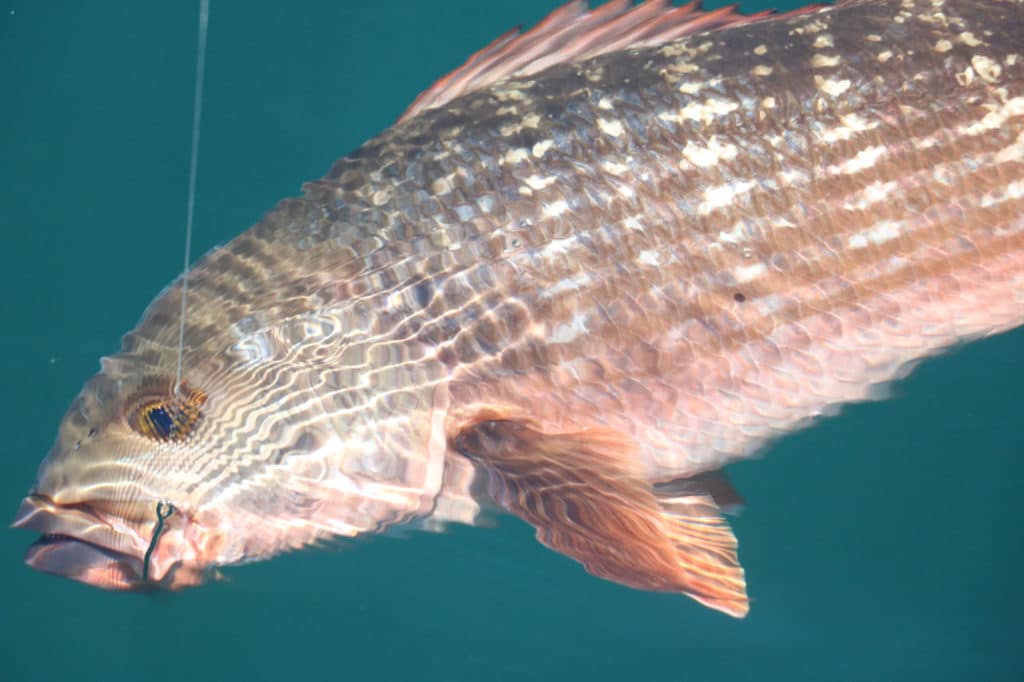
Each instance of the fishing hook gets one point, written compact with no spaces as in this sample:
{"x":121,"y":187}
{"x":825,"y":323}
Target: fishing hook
{"x":163,"y":512}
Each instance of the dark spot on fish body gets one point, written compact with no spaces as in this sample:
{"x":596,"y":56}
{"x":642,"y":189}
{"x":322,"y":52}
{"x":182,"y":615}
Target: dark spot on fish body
{"x":306,"y":442}
{"x":637,"y":122}
{"x":423,"y":292}
{"x":488,"y":336}
{"x":580,"y":119}
{"x":739,"y":297}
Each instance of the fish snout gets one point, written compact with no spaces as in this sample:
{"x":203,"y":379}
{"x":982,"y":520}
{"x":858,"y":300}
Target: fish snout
{"x":77,"y":543}
{"x":112,"y":553}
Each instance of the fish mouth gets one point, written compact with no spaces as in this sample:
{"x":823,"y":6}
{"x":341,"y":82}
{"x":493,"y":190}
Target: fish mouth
{"x":80,"y":543}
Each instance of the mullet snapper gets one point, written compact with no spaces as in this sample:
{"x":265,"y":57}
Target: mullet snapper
{"x":583,"y":272}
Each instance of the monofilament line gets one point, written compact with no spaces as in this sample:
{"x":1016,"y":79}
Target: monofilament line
{"x":197,"y":110}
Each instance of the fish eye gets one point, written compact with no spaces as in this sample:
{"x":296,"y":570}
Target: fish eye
{"x":170,"y":417}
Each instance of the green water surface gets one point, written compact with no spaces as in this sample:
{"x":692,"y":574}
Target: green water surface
{"x":884,"y":544}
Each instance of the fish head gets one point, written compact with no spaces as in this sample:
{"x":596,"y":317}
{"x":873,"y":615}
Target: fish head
{"x":157,"y":484}
{"x":111,"y":500}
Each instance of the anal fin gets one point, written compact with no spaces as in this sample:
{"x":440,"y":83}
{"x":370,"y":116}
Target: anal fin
{"x":579,"y":491}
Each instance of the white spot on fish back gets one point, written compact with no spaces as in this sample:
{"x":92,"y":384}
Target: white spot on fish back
{"x":614,"y":167}
{"x":610,"y":127}
{"x":794,"y":176}
{"x":748,"y":273}
{"x":556,"y":208}
{"x":633,"y":223}
{"x":1013,"y":152}
{"x":442,"y":185}
{"x":1014,"y":190}
{"x":994,"y":119}
{"x":875,"y":235}
{"x":574,"y":283}
{"x":943,"y":46}
{"x":566,"y":332}
{"x":824,"y":61}
{"x":722,"y":195}
{"x":987,"y":68}
{"x":557,"y":247}
{"x":865,"y":158}
{"x":690,"y":87}
{"x":537,"y":182}
{"x":850,"y":125}
{"x":761,"y":70}
{"x":761,"y":50}
{"x":735,"y":235}
{"x":831,"y":86}
{"x":968,"y":39}
{"x":719,"y":107}
{"x":895,"y":264}
{"x":514,"y":156}
{"x":872,"y":194}
{"x":648,"y":257}
{"x":507,"y":94}
{"x":681,"y":67}
{"x":510,"y":129}
{"x":823,"y":40}
{"x":704,"y":112}
{"x":783,"y":223}
{"x":705,"y":157}
{"x":541,"y":148}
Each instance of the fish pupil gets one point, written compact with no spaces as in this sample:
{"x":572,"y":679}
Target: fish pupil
{"x":163,"y":423}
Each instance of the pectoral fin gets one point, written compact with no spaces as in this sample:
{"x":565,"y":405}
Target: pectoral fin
{"x":580,"y":494}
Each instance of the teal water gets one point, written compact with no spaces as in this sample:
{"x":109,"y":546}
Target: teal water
{"x":884,"y":544}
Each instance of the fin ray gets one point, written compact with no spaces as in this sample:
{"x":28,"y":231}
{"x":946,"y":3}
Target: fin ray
{"x":574,"y":32}
{"x":580,"y":493}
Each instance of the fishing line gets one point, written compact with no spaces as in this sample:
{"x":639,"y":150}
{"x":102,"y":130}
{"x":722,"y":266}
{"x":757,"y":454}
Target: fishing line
{"x":197,"y":109}
{"x":163,"y":512}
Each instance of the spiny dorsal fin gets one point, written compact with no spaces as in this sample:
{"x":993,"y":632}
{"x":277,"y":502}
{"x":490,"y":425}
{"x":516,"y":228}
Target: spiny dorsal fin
{"x":580,"y":492}
{"x":574,"y":32}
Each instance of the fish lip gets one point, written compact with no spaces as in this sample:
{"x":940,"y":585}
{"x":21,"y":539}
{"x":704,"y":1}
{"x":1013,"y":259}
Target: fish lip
{"x":85,"y":562}
{"x":77,"y":542}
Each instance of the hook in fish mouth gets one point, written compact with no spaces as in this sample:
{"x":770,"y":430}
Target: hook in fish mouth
{"x":77,"y":542}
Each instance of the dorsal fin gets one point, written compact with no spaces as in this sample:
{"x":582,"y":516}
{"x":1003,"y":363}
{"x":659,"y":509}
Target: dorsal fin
{"x":574,"y":32}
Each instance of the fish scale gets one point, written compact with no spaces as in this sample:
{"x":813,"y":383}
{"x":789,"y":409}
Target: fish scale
{"x":559,"y":288}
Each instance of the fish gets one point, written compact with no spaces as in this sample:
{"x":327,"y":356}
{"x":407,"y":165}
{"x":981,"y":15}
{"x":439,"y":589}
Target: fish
{"x":582,"y":274}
